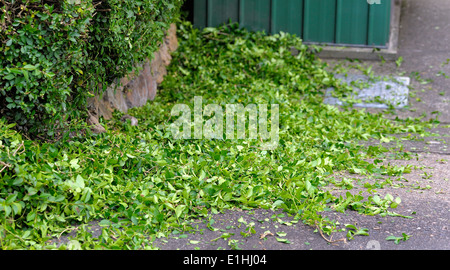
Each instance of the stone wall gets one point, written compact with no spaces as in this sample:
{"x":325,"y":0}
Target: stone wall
{"x":134,"y":91}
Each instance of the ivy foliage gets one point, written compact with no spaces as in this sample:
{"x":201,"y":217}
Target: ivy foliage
{"x":139,"y":182}
{"x":55,"y":54}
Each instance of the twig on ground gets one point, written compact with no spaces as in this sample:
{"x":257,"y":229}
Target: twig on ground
{"x":331,"y":238}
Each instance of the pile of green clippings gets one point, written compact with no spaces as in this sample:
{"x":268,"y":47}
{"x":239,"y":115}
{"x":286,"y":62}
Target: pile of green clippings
{"x":138,"y":181}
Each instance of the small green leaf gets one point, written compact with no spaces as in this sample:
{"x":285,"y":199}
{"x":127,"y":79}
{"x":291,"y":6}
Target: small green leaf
{"x":389,"y":197}
{"x":29,"y":67}
{"x":179,"y":210}
{"x":74,"y":245}
{"x":25,"y":74}
{"x":376,"y":199}
{"x":393,"y":238}
{"x":134,"y":220}
{"x":105,"y":222}
{"x":9,"y":77}
{"x":397,"y":239}
{"x":74,"y":164}
{"x":31,"y":216}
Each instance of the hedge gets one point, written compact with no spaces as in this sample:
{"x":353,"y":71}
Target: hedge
{"x":55,"y":54}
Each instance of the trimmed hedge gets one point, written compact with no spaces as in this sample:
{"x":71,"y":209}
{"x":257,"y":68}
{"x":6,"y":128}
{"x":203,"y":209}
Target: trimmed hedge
{"x":57,"y":53}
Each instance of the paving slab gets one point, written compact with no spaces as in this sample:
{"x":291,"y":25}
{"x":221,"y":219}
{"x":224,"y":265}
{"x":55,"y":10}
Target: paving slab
{"x":378,"y":93}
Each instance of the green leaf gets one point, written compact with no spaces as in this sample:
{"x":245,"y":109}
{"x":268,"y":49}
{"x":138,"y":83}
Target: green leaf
{"x":7,"y":210}
{"x":353,"y":230}
{"x":18,"y":182}
{"x":59,"y":198}
{"x":397,"y":239}
{"x":26,"y":234}
{"x":17,"y":208}
{"x":223,"y":236}
{"x":161,"y":162}
{"x":29,"y":67}
{"x":31,"y":216}
{"x":389,"y":197}
{"x":179,"y":210}
{"x":277,"y":203}
{"x":134,"y":220}
{"x":11,"y":198}
{"x":9,"y":77}
{"x":283,"y":240}
{"x":74,"y":164}
{"x":79,"y":183}
{"x":104,"y":222}
{"x":393,"y":238}
{"x":74,"y":245}
{"x":376,"y":199}
{"x":309,"y":188}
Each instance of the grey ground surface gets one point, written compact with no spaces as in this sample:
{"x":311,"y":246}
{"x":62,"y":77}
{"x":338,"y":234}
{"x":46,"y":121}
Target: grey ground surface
{"x":424,"y":45}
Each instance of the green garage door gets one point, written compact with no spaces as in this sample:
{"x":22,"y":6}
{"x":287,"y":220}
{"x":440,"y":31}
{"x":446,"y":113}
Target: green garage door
{"x":345,"y":22}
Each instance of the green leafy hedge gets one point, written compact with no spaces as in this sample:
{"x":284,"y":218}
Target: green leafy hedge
{"x":57,"y":53}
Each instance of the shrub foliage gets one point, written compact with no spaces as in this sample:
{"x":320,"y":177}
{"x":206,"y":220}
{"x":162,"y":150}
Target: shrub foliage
{"x":55,"y":54}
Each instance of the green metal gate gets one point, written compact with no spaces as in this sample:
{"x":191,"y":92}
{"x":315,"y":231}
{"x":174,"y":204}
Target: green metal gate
{"x":343,"y":22}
